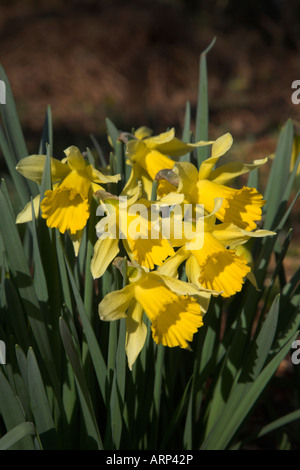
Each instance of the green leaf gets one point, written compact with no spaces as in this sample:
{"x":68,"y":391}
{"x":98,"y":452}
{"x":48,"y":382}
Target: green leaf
{"x":96,"y":354}
{"x":12,"y":412}
{"x":242,"y":398}
{"x":186,"y":134}
{"x":23,"y":281}
{"x":11,"y":121}
{"x":47,"y":135}
{"x":40,"y":405}
{"x":99,"y":150}
{"x":16,"y":434}
{"x":93,"y":435}
{"x":202,"y":114}
{"x":279,"y":174}
{"x":113,"y":132}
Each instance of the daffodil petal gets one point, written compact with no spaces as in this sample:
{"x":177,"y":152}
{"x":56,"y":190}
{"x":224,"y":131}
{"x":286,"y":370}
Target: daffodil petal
{"x":26,"y":214}
{"x":105,"y":251}
{"x":202,"y":295}
{"x":224,"y":272}
{"x":174,"y":318}
{"x":63,"y":211}
{"x":138,"y":174}
{"x":32,"y":168}
{"x":143,"y":132}
{"x":74,"y":158}
{"x":150,"y":252}
{"x":219,"y":148}
{"x":154,"y":161}
{"x":233,"y":236}
{"x":192,"y":269}
{"x":188,"y":176}
{"x":76,"y":240}
{"x":136,"y":333}
{"x":161,"y":139}
{"x":176,"y":323}
{"x":242,"y":207}
{"x":171,"y":198}
{"x":227,"y":173}
{"x":101,"y":178}
{"x":114,"y":305}
{"x":171,"y":265}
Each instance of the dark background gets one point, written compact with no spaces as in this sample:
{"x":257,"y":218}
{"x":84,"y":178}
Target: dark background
{"x":137,"y":62}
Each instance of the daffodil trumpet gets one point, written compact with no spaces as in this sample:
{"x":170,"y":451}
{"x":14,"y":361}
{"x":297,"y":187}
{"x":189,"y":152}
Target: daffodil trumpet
{"x":211,"y":258}
{"x":175,"y":309}
{"x":241,"y":207}
{"x":67,"y":205}
{"x":129,"y":220}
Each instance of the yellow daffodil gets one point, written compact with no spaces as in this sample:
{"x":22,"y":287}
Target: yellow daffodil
{"x":148,"y":155}
{"x":211,"y":258}
{"x":241,"y":207}
{"x":175,"y":309}
{"x":129,"y":221}
{"x":67,"y":205}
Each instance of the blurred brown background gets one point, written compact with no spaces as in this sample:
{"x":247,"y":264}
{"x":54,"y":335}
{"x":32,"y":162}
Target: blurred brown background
{"x":137,"y":62}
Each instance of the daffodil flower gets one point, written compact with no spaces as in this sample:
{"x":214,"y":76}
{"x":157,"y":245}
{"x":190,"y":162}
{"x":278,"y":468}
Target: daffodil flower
{"x":211,"y":257}
{"x":175,"y":309}
{"x":67,"y":205}
{"x":148,"y":155}
{"x":241,"y":207}
{"x":128,"y":220}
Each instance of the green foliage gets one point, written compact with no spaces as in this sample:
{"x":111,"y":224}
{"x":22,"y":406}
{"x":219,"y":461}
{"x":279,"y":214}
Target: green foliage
{"x":66,"y":384}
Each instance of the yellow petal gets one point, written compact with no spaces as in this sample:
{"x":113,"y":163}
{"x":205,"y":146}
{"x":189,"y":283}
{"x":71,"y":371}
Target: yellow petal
{"x":74,"y":158}
{"x":150,"y":252}
{"x":233,"y":236}
{"x":76,"y":240}
{"x":176,"y":323}
{"x":154,"y":161}
{"x":138,"y":174}
{"x":67,"y":207}
{"x":202,"y":295}
{"x":143,"y":132}
{"x":115,"y":303}
{"x":168,"y":144}
{"x":136,"y":332}
{"x":99,"y":177}
{"x":192,"y":269}
{"x":224,"y":272}
{"x":171,"y":265}
{"x":174,"y":318}
{"x":241,"y":207}
{"x":219,"y":148}
{"x":64,"y":210}
{"x":26,"y":214}
{"x":161,"y":139}
{"x":105,"y":250}
{"x":32,"y":168}
{"x":226,"y":174}
{"x":164,"y":188}
{"x":188,"y":177}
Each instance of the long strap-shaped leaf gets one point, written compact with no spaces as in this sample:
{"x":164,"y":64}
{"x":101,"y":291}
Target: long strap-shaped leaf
{"x":16,"y":434}
{"x":94,"y":439}
{"x":201,"y":132}
{"x":242,"y":399}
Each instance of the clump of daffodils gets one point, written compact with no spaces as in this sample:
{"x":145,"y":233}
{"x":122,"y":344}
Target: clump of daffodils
{"x":198,"y":222}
